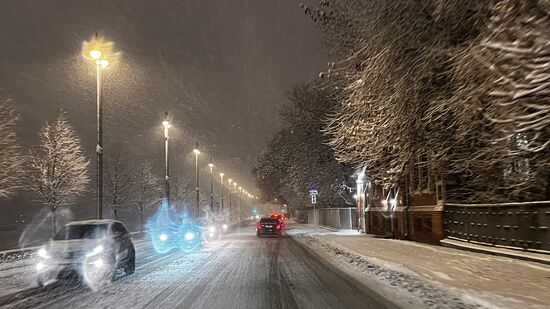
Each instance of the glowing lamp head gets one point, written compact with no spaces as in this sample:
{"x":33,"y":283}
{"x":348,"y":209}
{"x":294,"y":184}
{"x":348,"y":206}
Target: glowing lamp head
{"x":211,"y":229}
{"x":221,"y":174}
{"x":211,"y":165}
{"x":196,"y":151}
{"x":225,"y":227}
{"x":40,"y":266}
{"x":166,"y":124}
{"x":95,"y":54}
{"x":230,"y":180}
{"x":163,"y":237}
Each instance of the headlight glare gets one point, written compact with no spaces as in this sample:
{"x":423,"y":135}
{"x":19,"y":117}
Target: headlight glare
{"x":189,"y":236}
{"x":40,"y":266}
{"x":98,"y":263}
{"x":43,"y":253}
{"x":97,"y":250}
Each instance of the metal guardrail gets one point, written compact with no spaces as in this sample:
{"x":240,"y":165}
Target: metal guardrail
{"x":515,"y":225}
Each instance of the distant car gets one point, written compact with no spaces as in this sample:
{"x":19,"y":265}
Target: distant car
{"x":279,"y":217}
{"x":91,"y":250}
{"x":269,"y":226}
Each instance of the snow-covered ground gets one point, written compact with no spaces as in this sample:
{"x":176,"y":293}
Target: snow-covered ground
{"x":421,"y":275}
{"x":239,"y":271}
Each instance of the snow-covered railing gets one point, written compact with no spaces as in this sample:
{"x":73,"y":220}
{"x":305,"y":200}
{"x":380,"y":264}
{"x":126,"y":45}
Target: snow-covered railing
{"x":536,"y":203}
{"x":516,"y":225}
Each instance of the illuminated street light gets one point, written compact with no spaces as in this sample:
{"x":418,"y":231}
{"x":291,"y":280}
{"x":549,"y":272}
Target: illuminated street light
{"x":221,"y":192}
{"x":166,"y":125}
{"x":234,"y":194}
{"x":101,"y":53}
{"x":211,"y":165}
{"x":197,"y":152}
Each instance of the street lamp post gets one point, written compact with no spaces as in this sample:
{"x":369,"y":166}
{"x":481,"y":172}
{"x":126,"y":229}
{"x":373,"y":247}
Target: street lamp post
{"x":98,"y":51}
{"x":240,"y":204}
{"x":230,"y":197}
{"x":197,"y":152}
{"x":211,"y":166}
{"x":221,"y":193}
{"x":166,"y":125}
{"x":234,"y":195}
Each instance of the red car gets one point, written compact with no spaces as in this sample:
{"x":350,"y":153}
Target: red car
{"x":269,"y":226}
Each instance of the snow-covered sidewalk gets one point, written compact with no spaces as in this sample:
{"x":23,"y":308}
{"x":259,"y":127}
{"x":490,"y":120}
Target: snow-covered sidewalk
{"x":431,"y":276}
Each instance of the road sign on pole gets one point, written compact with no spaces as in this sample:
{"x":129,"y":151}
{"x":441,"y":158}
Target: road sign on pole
{"x":313,"y":193}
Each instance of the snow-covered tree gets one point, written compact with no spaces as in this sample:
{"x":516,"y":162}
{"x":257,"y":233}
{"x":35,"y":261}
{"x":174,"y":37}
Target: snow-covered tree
{"x":501,"y":102}
{"x":147,"y":189}
{"x":120,"y":183}
{"x":11,"y":160}
{"x":59,"y":168}
{"x":463,"y":83}
{"x":299,"y":154}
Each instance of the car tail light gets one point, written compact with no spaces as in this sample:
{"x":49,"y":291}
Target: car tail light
{"x":278,"y":226}
{"x":258,"y":226}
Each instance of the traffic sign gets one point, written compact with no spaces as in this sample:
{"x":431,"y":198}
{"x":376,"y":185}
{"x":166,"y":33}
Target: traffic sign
{"x":312,"y":186}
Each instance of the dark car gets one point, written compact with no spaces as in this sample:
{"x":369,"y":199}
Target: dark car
{"x":269,"y":226}
{"x":91,"y":250}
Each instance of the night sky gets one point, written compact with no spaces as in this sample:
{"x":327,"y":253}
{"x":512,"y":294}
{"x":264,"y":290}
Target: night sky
{"x":220,"y":68}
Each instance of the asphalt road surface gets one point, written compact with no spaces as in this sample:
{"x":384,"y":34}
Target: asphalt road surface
{"x":239,"y":271}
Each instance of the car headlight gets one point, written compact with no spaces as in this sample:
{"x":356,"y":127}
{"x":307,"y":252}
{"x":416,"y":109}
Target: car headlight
{"x":211,"y":229}
{"x":98,"y":263}
{"x":189,"y":236}
{"x":225,"y":227}
{"x":97,"y":250}
{"x":163,"y":237}
{"x":40,"y":266}
{"x":43,"y":253}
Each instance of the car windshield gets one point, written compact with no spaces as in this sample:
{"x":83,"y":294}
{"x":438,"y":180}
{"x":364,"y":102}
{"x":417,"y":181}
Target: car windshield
{"x":82,"y":231}
{"x":269,"y":220}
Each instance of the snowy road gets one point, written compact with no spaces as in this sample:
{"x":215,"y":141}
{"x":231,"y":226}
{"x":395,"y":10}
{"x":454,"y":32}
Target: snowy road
{"x":239,"y":271}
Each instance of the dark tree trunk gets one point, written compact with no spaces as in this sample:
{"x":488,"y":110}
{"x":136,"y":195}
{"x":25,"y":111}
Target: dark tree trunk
{"x":53,"y":222}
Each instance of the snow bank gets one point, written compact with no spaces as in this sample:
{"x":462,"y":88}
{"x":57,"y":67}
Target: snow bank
{"x":396,"y":280}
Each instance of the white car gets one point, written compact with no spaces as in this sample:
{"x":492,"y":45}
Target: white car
{"x":91,"y":250}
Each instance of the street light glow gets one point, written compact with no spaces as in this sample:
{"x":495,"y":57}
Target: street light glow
{"x":221,"y":174}
{"x":95,"y":54}
{"x":211,"y":165}
{"x":166,"y":124}
{"x":196,"y":151}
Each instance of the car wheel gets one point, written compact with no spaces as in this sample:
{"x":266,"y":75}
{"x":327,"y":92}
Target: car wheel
{"x":130,"y":266}
{"x":40,"y":283}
